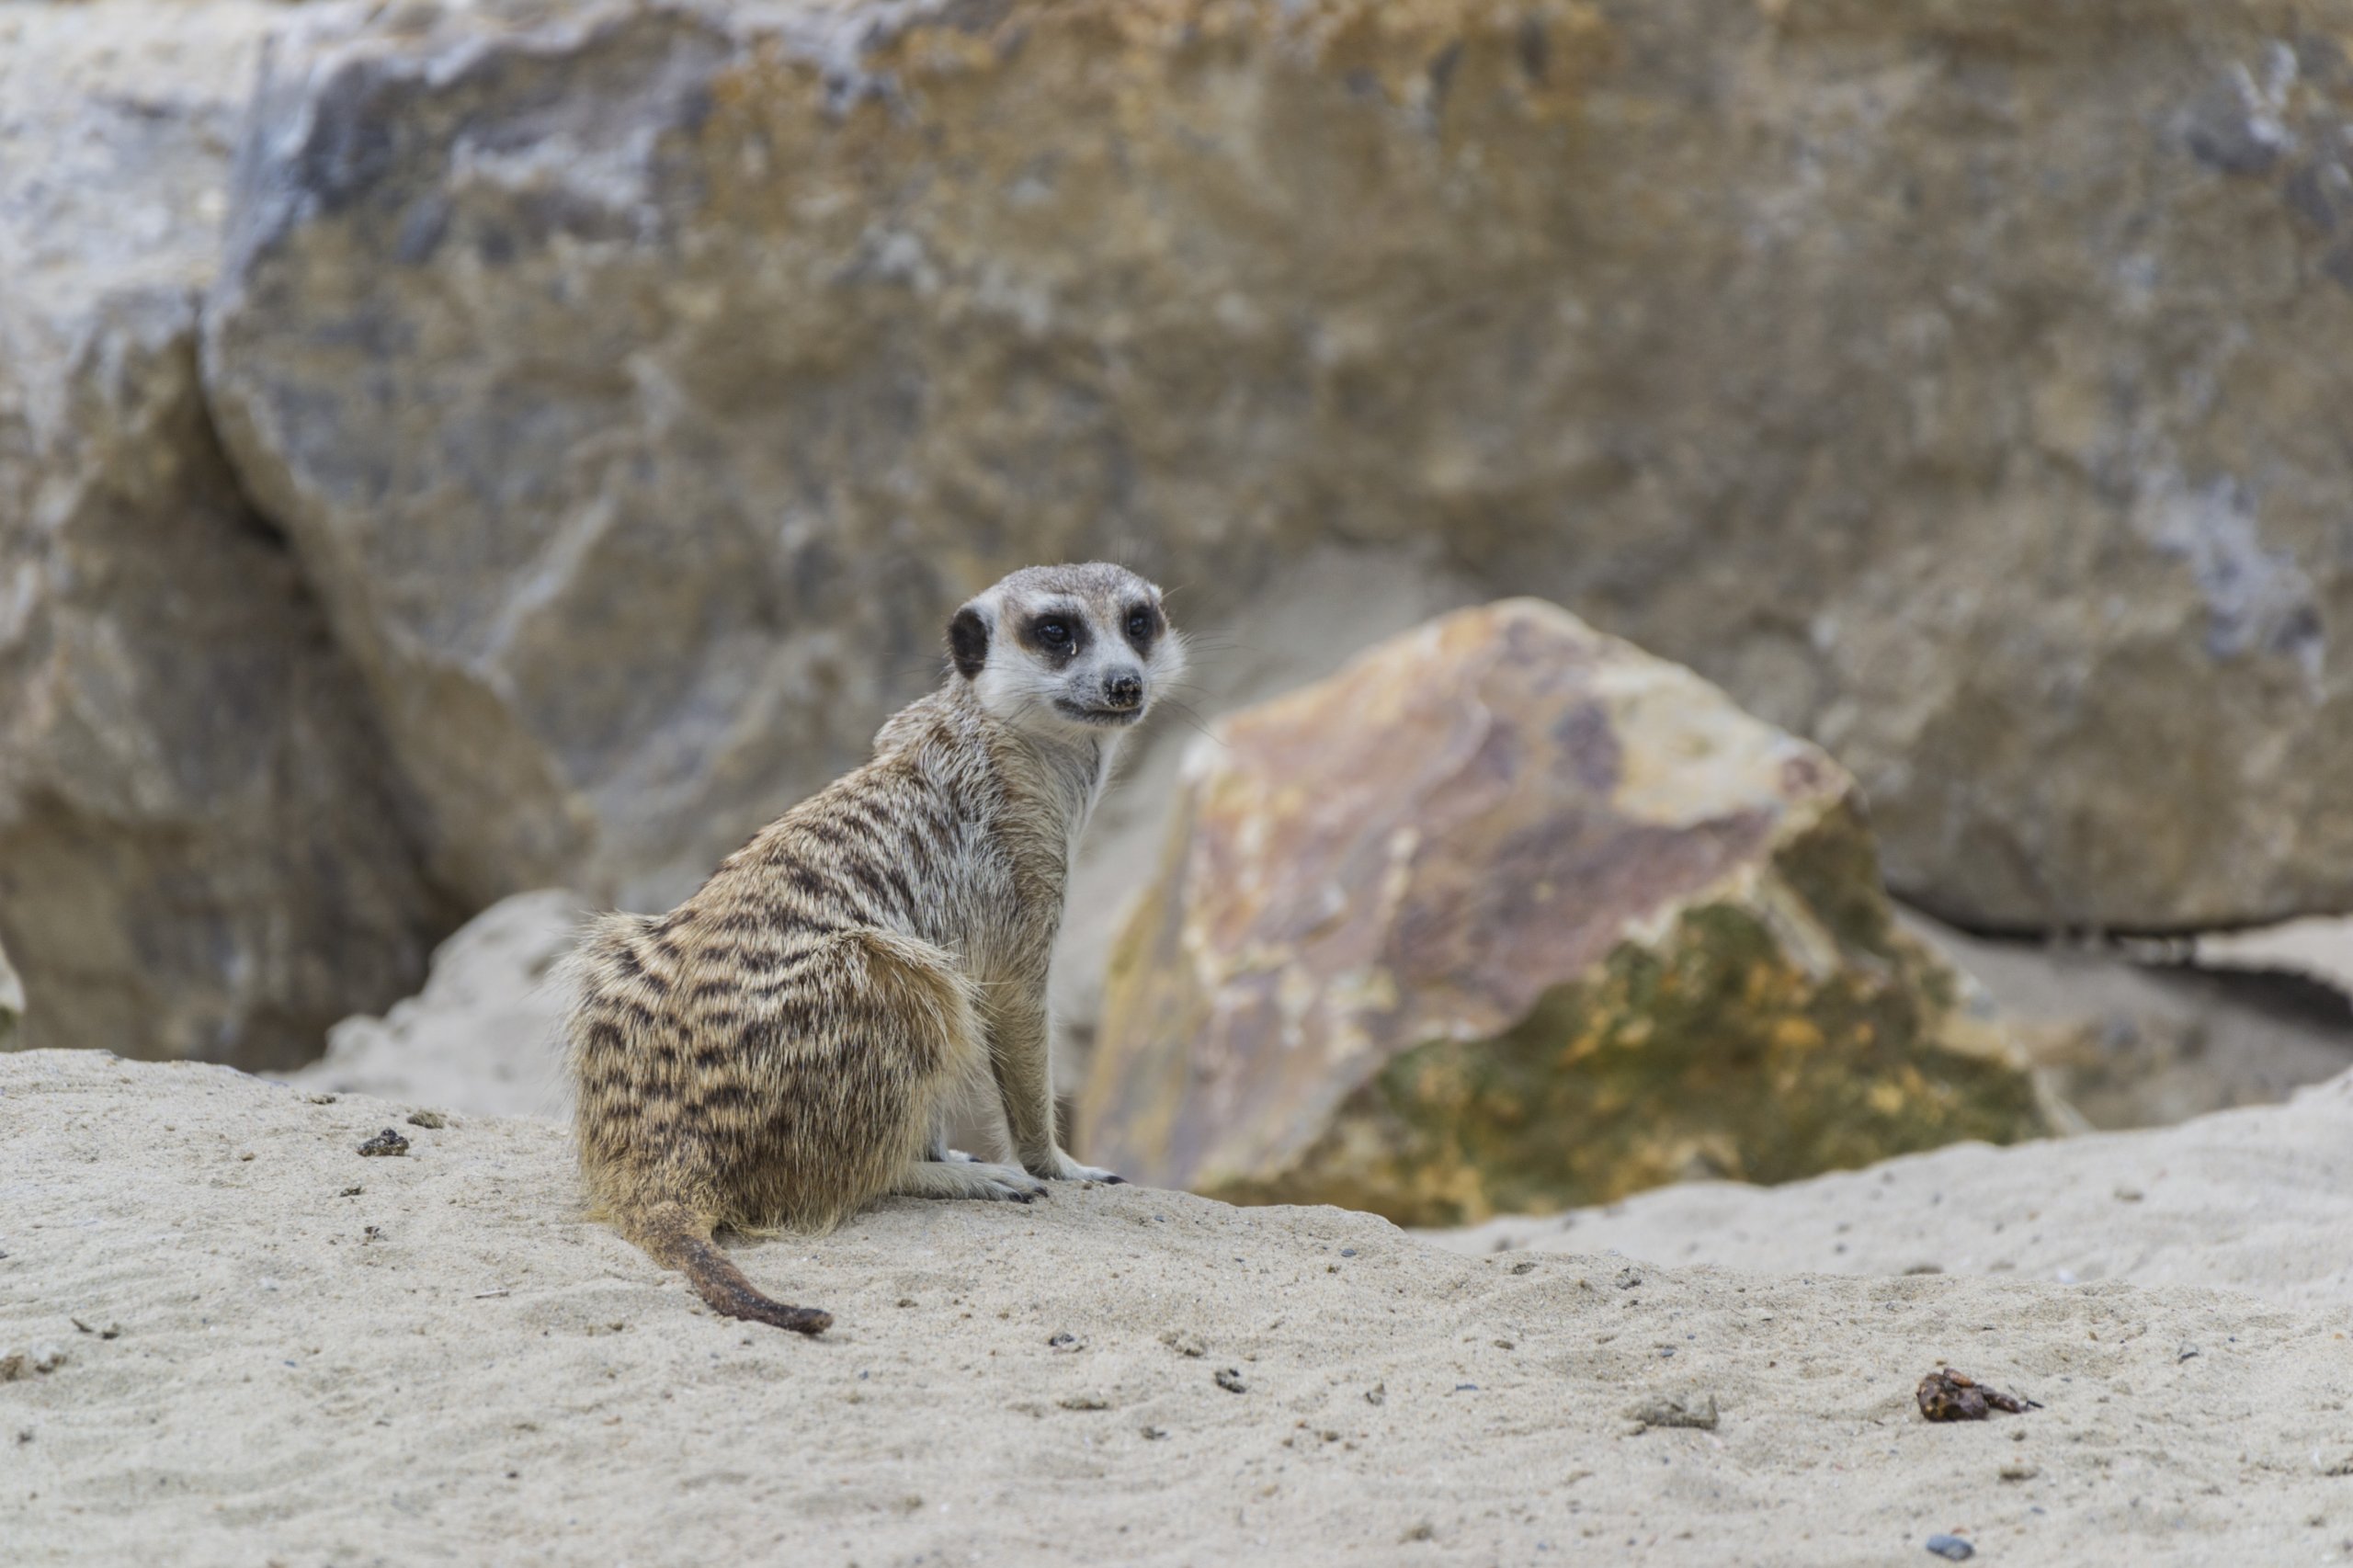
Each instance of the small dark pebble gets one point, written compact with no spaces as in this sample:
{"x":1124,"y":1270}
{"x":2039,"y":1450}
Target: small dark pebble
{"x":1948,"y":1395}
{"x":1229,"y":1379}
{"x":385,"y":1143}
{"x":349,"y":1192}
{"x":1951,"y":1547}
{"x":1348,"y":1252}
{"x":1065,"y":1342}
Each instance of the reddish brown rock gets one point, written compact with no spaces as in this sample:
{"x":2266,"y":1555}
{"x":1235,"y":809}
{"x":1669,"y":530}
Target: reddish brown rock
{"x":1508,"y":914}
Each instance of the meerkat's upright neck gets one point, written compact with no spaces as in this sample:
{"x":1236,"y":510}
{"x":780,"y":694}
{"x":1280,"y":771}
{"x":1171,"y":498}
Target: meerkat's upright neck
{"x":1060,"y":774}
{"x":1081,"y":768}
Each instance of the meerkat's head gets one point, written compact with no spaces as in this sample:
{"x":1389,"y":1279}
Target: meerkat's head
{"x":1071,"y":649}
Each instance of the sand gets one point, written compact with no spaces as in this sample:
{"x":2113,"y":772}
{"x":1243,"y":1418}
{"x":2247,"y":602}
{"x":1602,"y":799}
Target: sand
{"x":448,"y":1365}
{"x":2319,"y":948}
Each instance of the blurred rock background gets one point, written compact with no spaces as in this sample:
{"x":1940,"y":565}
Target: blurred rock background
{"x":448,"y":451}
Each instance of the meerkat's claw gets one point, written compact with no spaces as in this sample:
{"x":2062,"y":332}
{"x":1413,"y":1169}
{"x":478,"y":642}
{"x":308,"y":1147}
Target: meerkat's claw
{"x":1061,"y":1167}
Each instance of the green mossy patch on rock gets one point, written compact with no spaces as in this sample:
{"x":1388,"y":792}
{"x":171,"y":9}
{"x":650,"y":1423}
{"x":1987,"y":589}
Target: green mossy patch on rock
{"x":1709,"y":1055}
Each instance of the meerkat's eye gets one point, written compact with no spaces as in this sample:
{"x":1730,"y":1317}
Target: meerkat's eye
{"x":1053,"y":633}
{"x":1139,"y":624}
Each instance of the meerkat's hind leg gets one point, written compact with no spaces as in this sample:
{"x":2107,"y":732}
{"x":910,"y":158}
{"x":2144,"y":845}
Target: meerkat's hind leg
{"x":936,"y":1147}
{"x":968,"y":1177}
{"x":680,"y":1238}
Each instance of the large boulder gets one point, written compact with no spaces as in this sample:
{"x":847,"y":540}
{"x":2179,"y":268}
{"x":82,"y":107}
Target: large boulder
{"x":1508,"y":915}
{"x":1956,"y":384}
{"x":200,"y":851}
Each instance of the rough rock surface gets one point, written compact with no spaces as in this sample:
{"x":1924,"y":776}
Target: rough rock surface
{"x":484,"y":1035}
{"x":1955,"y":384}
{"x":12,"y":1003}
{"x":448,"y":1365}
{"x":2259,"y":1199}
{"x":1506,"y":915}
{"x":2148,"y":1043}
{"x":200,"y":850}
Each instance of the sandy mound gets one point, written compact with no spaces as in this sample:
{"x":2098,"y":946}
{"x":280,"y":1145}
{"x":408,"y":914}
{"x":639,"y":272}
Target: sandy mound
{"x":330,"y":1358}
{"x":2258,"y":1199}
{"x":483,"y":1034}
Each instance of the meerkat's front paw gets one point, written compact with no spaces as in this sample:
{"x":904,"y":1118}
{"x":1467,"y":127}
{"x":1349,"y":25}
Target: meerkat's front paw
{"x":1003,"y":1184}
{"x":1061,"y":1167}
{"x":971,"y":1178}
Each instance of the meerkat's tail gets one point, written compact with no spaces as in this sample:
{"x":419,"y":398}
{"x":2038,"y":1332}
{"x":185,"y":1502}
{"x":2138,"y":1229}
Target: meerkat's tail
{"x":680,"y":1239}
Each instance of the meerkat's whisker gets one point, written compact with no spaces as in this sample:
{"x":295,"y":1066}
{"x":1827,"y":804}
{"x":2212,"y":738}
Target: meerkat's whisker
{"x":1192,"y":718}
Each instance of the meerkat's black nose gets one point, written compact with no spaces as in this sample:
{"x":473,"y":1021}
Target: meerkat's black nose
{"x":1124,"y":689}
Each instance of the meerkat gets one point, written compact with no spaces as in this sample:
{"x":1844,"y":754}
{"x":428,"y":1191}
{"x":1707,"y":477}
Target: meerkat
{"x":786,"y":1045}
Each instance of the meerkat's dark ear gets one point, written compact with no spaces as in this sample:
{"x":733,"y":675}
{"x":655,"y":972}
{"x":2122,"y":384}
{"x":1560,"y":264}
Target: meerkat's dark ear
{"x":968,"y":641}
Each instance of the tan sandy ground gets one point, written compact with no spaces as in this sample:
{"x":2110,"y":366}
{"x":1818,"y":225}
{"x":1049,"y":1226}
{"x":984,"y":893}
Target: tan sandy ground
{"x":482,"y":1378}
{"x":2258,"y":1199}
